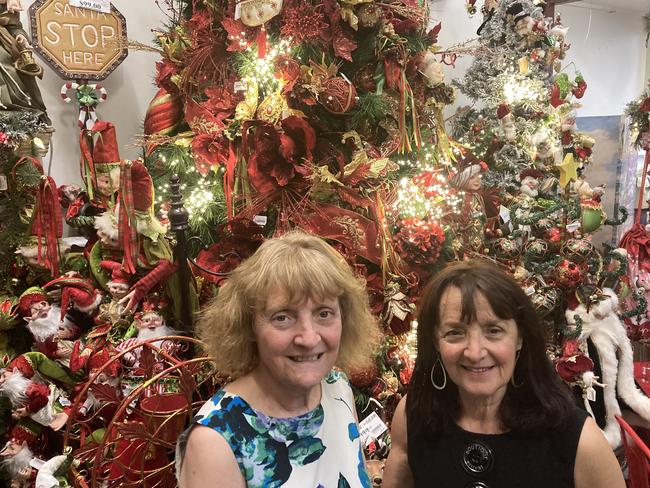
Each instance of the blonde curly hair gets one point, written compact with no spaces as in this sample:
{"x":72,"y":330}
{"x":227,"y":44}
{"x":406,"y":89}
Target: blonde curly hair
{"x":302,"y":266}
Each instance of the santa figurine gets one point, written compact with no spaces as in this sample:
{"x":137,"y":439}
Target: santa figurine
{"x":547,"y":152}
{"x":46,"y":324}
{"x":586,"y":192}
{"x":104,"y":375}
{"x":150,"y":324}
{"x":30,"y":398}
{"x":18,"y":454}
{"x":529,"y":182}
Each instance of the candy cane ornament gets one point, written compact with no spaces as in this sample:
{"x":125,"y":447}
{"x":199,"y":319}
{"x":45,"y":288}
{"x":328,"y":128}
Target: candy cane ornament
{"x":88,"y":96}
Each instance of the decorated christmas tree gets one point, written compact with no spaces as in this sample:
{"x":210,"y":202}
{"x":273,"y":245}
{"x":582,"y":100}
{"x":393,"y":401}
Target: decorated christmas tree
{"x":539,"y":208}
{"x":324,"y":116}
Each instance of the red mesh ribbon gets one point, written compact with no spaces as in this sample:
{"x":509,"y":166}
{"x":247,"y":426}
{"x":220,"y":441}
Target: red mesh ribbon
{"x":48,"y":224}
{"x":87,"y":165}
{"x":128,"y":235}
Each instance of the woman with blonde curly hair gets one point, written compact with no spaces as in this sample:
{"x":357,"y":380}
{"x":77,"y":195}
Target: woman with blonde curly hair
{"x":284,"y":319}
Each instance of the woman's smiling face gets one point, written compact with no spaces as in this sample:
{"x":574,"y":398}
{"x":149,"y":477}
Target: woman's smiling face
{"x":479,"y":356}
{"x":298,"y":342}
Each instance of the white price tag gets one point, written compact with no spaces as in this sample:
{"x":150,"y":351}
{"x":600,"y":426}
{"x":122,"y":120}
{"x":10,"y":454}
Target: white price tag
{"x":504,"y":213}
{"x":260,"y":220}
{"x":372,"y":426}
{"x":591,"y":394}
{"x":573,"y":226}
{"x":3,"y":183}
{"x":97,"y":5}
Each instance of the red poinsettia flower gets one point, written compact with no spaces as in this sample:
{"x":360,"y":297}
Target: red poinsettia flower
{"x":287,"y":69}
{"x":199,"y":22}
{"x":240,"y":37}
{"x":221,"y":100}
{"x":340,"y":34}
{"x":209,"y":150}
{"x":277,"y":158}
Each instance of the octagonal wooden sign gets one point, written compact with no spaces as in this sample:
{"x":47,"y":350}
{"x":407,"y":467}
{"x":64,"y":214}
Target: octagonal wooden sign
{"x":78,"y":43}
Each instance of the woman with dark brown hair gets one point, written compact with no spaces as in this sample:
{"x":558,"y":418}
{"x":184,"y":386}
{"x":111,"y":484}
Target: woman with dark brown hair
{"x":485,"y":408}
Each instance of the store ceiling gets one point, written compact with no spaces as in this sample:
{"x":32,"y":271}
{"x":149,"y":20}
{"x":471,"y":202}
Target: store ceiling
{"x":629,"y":6}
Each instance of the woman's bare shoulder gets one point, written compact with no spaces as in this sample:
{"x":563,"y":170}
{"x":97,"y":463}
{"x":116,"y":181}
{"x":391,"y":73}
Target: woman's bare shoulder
{"x":208,"y":457}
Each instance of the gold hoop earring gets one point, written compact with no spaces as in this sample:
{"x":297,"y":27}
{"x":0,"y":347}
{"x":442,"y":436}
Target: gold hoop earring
{"x":444,"y":375}
{"x":512,"y":378}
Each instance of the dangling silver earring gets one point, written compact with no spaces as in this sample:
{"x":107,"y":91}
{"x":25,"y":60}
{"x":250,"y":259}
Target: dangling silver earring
{"x":512,"y":379}
{"x":444,"y":375}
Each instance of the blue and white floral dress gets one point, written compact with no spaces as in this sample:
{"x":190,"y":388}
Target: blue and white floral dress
{"x":320,"y":449}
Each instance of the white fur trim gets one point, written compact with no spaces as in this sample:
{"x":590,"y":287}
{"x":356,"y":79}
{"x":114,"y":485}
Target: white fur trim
{"x":616,"y":362}
{"x":107,"y":223}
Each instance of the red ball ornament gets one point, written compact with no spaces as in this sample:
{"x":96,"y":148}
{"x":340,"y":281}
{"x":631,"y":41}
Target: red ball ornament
{"x":568,"y":274}
{"x":338,"y":95}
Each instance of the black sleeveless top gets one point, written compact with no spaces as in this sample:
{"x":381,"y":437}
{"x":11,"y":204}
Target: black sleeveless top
{"x":461,"y":459}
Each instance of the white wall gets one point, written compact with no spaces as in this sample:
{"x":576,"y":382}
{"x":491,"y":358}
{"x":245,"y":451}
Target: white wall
{"x":612,"y":58}
{"x":611,"y":54}
{"x":130,"y":89}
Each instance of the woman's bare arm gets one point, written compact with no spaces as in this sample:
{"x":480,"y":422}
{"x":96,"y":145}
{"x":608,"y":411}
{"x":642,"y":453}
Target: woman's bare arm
{"x":596,"y":465}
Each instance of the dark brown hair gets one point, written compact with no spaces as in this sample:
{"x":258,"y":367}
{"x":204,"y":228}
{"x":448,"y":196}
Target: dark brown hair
{"x":540,"y":403}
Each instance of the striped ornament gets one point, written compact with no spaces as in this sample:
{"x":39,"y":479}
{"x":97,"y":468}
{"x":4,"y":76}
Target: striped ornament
{"x":164,"y":115}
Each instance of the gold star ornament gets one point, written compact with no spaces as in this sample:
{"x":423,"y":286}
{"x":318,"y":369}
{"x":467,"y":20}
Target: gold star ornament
{"x":568,"y":170}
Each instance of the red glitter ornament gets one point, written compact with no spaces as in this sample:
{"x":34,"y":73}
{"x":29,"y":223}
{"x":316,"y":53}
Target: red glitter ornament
{"x":304,"y":22}
{"x":568,"y":274}
{"x":338,"y":95}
